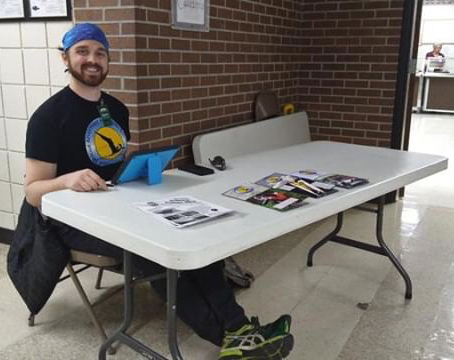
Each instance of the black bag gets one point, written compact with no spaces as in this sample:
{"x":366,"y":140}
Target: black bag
{"x":36,"y":258}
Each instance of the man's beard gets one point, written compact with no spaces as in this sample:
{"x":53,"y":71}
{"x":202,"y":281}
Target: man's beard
{"x":89,"y":80}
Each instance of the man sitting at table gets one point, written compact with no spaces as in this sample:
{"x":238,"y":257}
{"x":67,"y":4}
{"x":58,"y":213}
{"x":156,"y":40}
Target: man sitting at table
{"x":72,"y":144}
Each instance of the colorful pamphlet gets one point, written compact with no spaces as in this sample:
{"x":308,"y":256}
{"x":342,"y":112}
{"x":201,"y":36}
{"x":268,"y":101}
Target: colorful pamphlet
{"x":324,"y":186}
{"x":317,"y":178}
{"x":305,"y":188}
{"x":245,"y":191}
{"x":278,"y":199}
{"x":310,"y":175}
{"x":284,"y":192}
{"x":274,"y":180}
{"x":343,"y":181}
{"x":295,"y":184}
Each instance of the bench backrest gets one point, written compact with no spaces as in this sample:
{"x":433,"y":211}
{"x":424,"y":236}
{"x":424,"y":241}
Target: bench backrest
{"x":251,"y":138}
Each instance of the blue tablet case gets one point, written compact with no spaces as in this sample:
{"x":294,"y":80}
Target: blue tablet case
{"x":145,"y":163}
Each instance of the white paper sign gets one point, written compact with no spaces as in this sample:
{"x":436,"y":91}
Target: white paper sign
{"x":10,"y":9}
{"x":45,"y":8}
{"x":191,"y":11}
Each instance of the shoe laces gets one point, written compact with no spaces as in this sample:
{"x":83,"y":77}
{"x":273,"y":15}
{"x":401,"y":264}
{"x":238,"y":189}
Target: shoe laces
{"x":246,"y":338}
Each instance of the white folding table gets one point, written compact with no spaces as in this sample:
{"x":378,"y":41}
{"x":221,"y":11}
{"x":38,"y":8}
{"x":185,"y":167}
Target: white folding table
{"x":111,"y":216}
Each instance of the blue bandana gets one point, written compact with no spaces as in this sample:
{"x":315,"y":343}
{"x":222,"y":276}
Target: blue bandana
{"x":84,"y":31}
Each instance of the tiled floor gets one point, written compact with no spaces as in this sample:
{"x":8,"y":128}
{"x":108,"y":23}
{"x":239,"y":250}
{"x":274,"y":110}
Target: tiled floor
{"x":327,"y":324}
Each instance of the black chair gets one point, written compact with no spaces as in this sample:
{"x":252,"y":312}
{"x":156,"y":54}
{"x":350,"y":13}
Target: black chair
{"x":266,"y":105}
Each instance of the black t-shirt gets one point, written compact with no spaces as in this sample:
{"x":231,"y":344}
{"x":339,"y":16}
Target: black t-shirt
{"x":68,"y":130}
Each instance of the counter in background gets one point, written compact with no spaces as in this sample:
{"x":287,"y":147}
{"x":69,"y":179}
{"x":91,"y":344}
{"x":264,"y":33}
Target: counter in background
{"x":433,"y":92}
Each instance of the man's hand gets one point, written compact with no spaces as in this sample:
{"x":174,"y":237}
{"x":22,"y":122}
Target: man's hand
{"x":84,"y":180}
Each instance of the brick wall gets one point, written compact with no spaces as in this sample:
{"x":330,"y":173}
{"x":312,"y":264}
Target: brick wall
{"x":348,"y":74}
{"x":336,"y":59}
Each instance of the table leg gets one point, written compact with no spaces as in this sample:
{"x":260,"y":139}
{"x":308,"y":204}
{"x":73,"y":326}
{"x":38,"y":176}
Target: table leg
{"x":120,"y":335}
{"x":172,"y":278}
{"x":391,"y":256}
{"x":327,"y":238}
{"x":382,"y":249}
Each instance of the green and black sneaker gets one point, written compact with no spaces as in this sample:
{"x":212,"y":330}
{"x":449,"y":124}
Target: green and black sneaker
{"x":254,"y":342}
{"x":279,"y":326}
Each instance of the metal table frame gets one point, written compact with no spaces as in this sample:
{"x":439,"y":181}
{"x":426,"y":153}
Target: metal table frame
{"x":381,"y":249}
{"x":121,"y":336}
{"x":172,"y":278}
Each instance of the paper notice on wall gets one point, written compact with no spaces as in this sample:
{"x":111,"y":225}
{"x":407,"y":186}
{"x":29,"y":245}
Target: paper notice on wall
{"x":191,"y":11}
{"x":10,"y":9}
{"x":44,"y":8}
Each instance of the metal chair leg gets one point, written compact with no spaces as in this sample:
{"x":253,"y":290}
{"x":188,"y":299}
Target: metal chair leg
{"x":88,"y":306}
{"x":99,"y":278}
{"x":31,"y":320}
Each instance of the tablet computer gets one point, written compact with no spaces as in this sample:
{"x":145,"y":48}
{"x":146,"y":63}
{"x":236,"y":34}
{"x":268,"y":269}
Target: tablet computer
{"x":147,"y":164}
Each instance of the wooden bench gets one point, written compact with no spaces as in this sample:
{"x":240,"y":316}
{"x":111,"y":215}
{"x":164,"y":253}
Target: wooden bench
{"x":255,"y":137}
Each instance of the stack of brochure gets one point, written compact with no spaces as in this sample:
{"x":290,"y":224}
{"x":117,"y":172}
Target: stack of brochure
{"x":270,"y":192}
{"x":277,"y":191}
{"x":284,"y":192}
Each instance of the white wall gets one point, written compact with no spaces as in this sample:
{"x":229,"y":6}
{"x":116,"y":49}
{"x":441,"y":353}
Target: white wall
{"x":30,"y":71}
{"x":437,"y":25}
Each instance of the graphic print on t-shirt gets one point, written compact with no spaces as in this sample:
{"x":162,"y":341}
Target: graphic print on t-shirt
{"x":105,"y":145}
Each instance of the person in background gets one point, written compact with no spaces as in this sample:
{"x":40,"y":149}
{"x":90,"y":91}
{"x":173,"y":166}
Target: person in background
{"x":70,"y":144}
{"x":435,"y":60}
{"x":436,"y":52}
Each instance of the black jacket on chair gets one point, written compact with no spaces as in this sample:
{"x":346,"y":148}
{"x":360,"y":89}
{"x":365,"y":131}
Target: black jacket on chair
{"x":36,"y":258}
